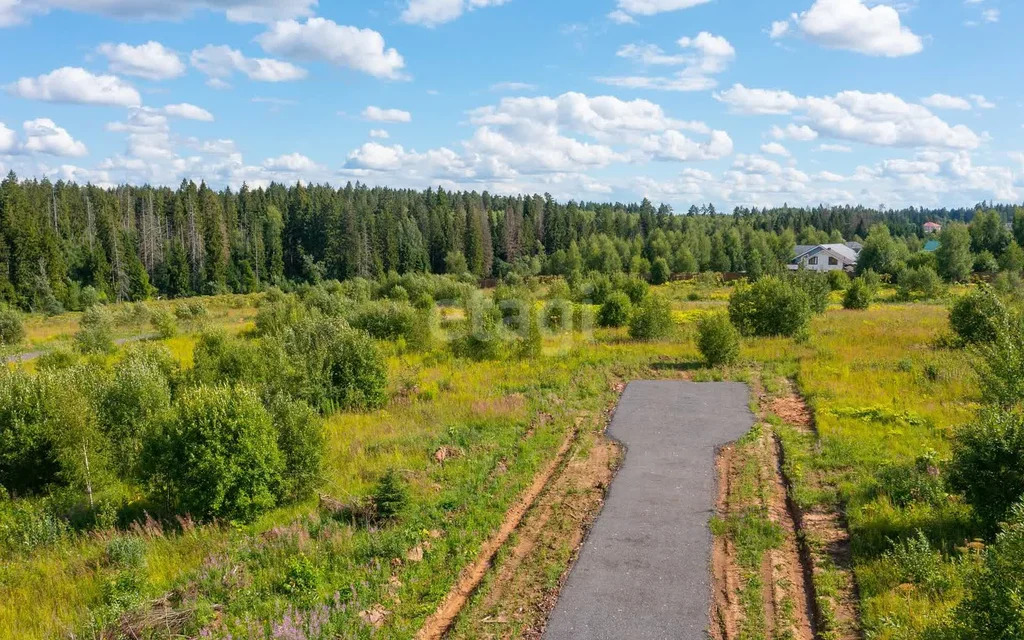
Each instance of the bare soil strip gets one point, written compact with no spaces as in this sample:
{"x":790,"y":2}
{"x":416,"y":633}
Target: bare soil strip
{"x":786,"y":602}
{"x":436,"y":626}
{"x":825,"y":539}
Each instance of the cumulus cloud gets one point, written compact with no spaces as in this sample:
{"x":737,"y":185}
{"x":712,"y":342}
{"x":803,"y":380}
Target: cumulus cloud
{"x":14,"y":12}
{"x":220,"y":62}
{"x":982,"y":102}
{"x":188,"y":112}
{"x":702,"y":57}
{"x":320,"y":39}
{"x":653,"y":7}
{"x":431,"y":13}
{"x":76,"y":85}
{"x":376,"y":114}
{"x":943,"y":101}
{"x":835,"y":148}
{"x":291,"y":163}
{"x":778,"y":29}
{"x":8,"y":139}
{"x":621,"y":17}
{"x":380,"y":134}
{"x":881,"y":119}
{"x":854,"y":26}
{"x":775,"y":149}
{"x":800,"y":133}
{"x":151,"y":60}
{"x":42,"y":135}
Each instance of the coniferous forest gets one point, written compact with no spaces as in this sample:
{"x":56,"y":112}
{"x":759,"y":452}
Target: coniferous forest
{"x":64,"y":245}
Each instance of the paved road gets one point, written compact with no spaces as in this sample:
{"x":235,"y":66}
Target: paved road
{"x":644,"y":571}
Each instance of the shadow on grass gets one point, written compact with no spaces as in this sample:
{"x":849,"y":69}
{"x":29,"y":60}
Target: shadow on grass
{"x":678,"y":367}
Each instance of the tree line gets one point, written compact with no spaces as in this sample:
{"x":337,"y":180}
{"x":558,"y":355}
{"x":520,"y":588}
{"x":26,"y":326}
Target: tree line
{"x":64,"y":246}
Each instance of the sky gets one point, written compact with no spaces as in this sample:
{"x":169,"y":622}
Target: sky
{"x":734,"y":102}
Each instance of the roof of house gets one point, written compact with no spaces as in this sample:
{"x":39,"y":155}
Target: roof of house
{"x":839,"y":250}
{"x":856,"y":246}
{"x":932,"y":225}
{"x":932,"y":245}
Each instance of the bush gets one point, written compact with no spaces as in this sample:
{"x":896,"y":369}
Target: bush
{"x":988,"y":464}
{"x":660,"y":271}
{"x":838,"y":280}
{"x":651,"y":319}
{"x":633,"y":287}
{"x":992,"y":607}
{"x":557,"y":316}
{"x":339,"y":368}
{"x":486,"y":337}
{"x":129,"y":406}
{"x":717,"y":340}
{"x":12,"y":331}
{"x":191,"y":311}
{"x":390,"y":495}
{"x":923,"y":282}
{"x":28,"y":460}
{"x":300,"y":438}
{"x":905,"y":484}
{"x":859,"y":295}
{"x":816,"y":286}
{"x":976,"y":317}
{"x":217,"y":457}
{"x":96,"y":332}
{"x":770,"y":307}
{"x":615,"y":311}
{"x":127,"y":553}
{"x":164,"y":323}
{"x":277,"y":312}
{"x":387,"y":320}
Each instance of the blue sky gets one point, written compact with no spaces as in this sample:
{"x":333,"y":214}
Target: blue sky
{"x":730,"y":101}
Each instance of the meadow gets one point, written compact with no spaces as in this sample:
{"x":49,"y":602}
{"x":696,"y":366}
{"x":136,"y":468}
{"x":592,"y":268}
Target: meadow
{"x":466,"y":436}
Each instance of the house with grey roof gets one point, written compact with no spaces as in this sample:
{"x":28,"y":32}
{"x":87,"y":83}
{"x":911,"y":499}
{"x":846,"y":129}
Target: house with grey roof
{"x":825,"y":257}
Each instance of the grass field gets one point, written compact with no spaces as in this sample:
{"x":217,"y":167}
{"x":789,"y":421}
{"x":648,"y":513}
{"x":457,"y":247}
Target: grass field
{"x":881,"y":394}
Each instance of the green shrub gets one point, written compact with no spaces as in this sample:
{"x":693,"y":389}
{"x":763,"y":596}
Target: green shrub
{"x":633,"y":287}
{"x":651,"y":319}
{"x":164,"y":323}
{"x":217,"y":457}
{"x":921,"y":282}
{"x":96,"y":332}
{"x":57,"y":360}
{"x":906,"y":484}
{"x":992,"y":608}
{"x":339,"y":368}
{"x":29,"y":524}
{"x":660,"y":271}
{"x":976,"y":317}
{"x":301,"y":440}
{"x":988,"y":464}
{"x":389,"y":320}
{"x":999,"y":364}
{"x":390,"y":496}
{"x":915,"y":562}
{"x":838,"y":280}
{"x":859,"y":294}
{"x":615,"y":311}
{"x":129,"y":406}
{"x":191,"y":311}
{"x":816,"y":286}
{"x":557,"y":316}
{"x":28,"y":459}
{"x":277,"y":313}
{"x":12,"y":331}
{"x":594,"y":290}
{"x":717,"y":340}
{"x":770,"y":307}
{"x":486,"y":337}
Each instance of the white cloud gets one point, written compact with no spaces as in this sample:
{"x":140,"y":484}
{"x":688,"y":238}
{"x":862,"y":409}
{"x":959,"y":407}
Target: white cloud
{"x":8,"y":139}
{"x":982,"y":102}
{"x":943,"y":101}
{"x":188,"y":111}
{"x":881,"y":119}
{"x":621,"y":17}
{"x":835,"y":148}
{"x":13,"y":12}
{"x":380,"y":134}
{"x":801,"y":133}
{"x":758,"y":101}
{"x":151,"y":60}
{"x":704,"y":56}
{"x":221,"y":61}
{"x":291,"y":163}
{"x":320,"y":39}
{"x":76,"y":85}
{"x":431,"y":13}
{"x":376,"y":114}
{"x":990,"y":15}
{"x":502,"y":87}
{"x":775,"y":149}
{"x":778,"y":29}
{"x":652,"y":7}
{"x":854,"y":26}
{"x":42,"y":135}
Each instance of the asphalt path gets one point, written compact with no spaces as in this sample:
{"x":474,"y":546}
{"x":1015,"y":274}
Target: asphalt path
{"x":644,"y":570}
